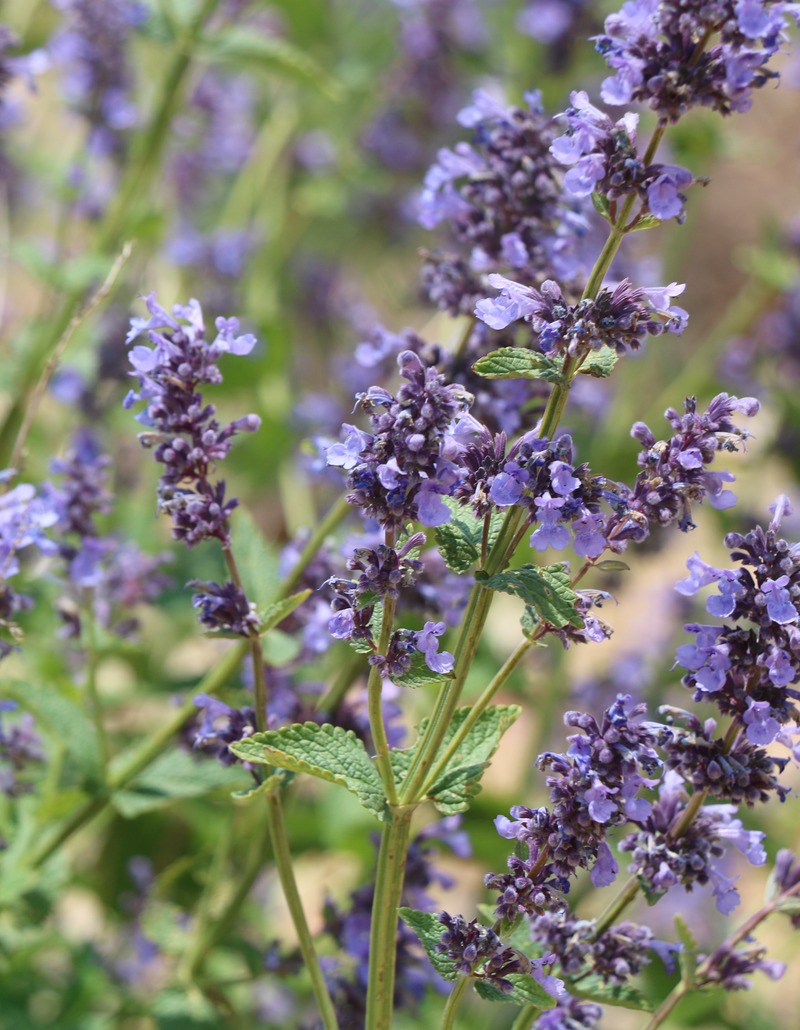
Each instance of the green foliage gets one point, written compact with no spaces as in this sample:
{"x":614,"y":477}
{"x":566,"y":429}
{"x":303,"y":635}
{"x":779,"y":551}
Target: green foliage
{"x":275,"y":613}
{"x":175,"y":776}
{"x":526,"y":991}
{"x":429,"y":931}
{"x":593,"y":988}
{"x":687,"y":957}
{"x":599,"y":363}
{"x":257,"y":561}
{"x":328,"y":752}
{"x":547,"y":590}
{"x":459,"y":782}
{"x":460,"y":540}
{"x":518,"y":363}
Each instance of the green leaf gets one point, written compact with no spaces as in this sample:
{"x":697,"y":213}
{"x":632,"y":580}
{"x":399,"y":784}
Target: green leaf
{"x":547,"y":590}
{"x":461,"y":538}
{"x":526,"y":991}
{"x":790,"y":906}
{"x":599,"y":363}
{"x":257,"y":560}
{"x":65,"y":718}
{"x":279,"y":648}
{"x":429,"y":931}
{"x":687,"y":956}
{"x":518,"y":363}
{"x":328,"y":752}
{"x":276,"y":613}
{"x":240,"y":46}
{"x":280,"y":778}
{"x":612,"y":565}
{"x":646,"y":222}
{"x":602,"y":205}
{"x":593,"y":988}
{"x":460,"y":782}
{"x":174,"y":776}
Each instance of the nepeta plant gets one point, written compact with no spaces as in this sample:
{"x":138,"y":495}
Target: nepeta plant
{"x":359,"y":656}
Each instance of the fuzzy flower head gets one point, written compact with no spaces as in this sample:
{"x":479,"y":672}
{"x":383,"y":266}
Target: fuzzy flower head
{"x":181,"y":429}
{"x":679,"y":54}
{"x":602,"y":158}
{"x":620,"y":318}
{"x":409,"y":462}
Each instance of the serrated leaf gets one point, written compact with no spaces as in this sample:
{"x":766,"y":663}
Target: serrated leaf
{"x":526,"y":991}
{"x":461,"y":780}
{"x":241,"y":46}
{"x":687,"y":956}
{"x":518,"y":363}
{"x":276,"y":613}
{"x":547,"y":590}
{"x":257,"y":560}
{"x":461,"y":538}
{"x":278,"y":779}
{"x":592,"y":988}
{"x":429,"y":931}
{"x":599,"y":363}
{"x":174,"y":776}
{"x":330,"y":753}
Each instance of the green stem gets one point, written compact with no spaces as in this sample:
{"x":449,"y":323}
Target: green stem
{"x":383,"y":932}
{"x":525,"y":1017}
{"x":374,"y":692}
{"x":283,"y":863}
{"x":90,"y":647}
{"x":453,"y":1001}
{"x":613,"y":911}
{"x":477,"y":709}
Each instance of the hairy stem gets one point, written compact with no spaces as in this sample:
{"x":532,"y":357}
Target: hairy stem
{"x":453,"y":1001}
{"x":383,"y":931}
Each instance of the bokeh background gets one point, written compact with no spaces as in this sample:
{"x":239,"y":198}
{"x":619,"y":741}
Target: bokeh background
{"x":269,"y":167}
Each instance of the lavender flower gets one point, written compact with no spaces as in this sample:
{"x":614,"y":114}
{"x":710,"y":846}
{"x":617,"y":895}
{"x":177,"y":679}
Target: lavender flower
{"x":602,"y":158}
{"x":747,"y":667}
{"x":663,"y":54}
{"x":731,"y":968}
{"x":404,"y":467}
{"x":19,"y":746}
{"x":620,"y":318}
{"x":187,"y":439}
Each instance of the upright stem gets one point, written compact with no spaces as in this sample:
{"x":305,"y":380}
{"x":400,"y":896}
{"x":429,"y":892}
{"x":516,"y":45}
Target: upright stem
{"x":383,"y":931}
{"x":525,"y":1017}
{"x":453,"y":1001}
{"x":285,"y":868}
{"x":375,"y":708}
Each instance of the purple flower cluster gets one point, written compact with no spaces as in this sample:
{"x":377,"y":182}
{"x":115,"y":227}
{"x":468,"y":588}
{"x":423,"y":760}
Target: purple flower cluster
{"x":401,"y":470}
{"x":663,"y":858}
{"x":747,"y":664}
{"x":24,"y":517}
{"x":118,"y":575}
{"x":501,"y":196}
{"x":602,"y":158}
{"x":19,"y":746}
{"x":476,"y":951}
{"x":620,"y":318}
{"x":677,"y":54}
{"x":674,"y":472}
{"x":186,"y":438}
{"x":594,"y":787}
